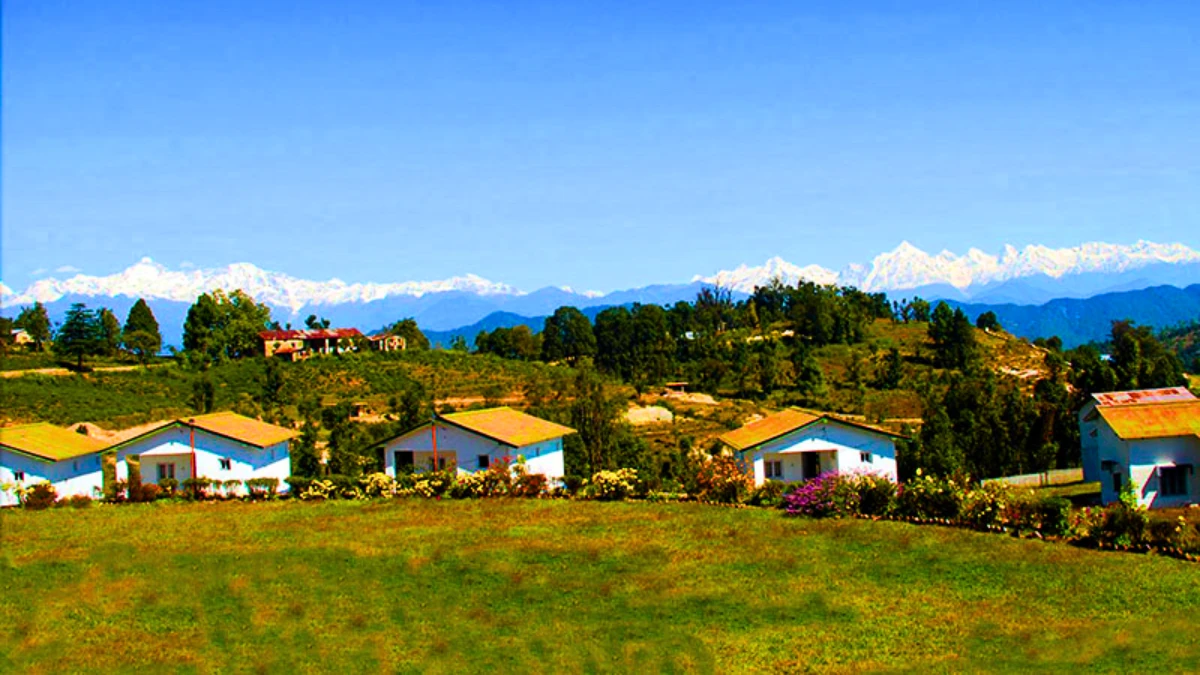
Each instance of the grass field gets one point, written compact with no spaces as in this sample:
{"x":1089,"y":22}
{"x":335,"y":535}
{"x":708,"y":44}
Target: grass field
{"x":545,"y":586}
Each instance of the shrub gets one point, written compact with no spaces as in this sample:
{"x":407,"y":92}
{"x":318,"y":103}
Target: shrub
{"x":133,"y":465}
{"x":1178,"y":534}
{"x":828,"y":495}
{"x":169,"y":486}
{"x":317,"y":490}
{"x":77,"y":501}
{"x":38,"y":497}
{"x":988,"y":505}
{"x":230,"y":487}
{"x":1052,"y":515}
{"x":1122,"y":525}
{"x":196,"y":488}
{"x":769,"y":494}
{"x":876,"y":494}
{"x":116,"y":491}
{"x":298,"y":484}
{"x":434,"y":483}
{"x":377,"y":485}
{"x":344,"y":487}
{"x":722,"y":479}
{"x":530,"y":485}
{"x":262,"y":488}
{"x":926,"y":496}
{"x":614,"y":485}
{"x":148,"y":492}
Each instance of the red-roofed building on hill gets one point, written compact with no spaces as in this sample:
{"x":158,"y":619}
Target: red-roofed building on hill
{"x":1150,"y":438}
{"x":296,"y":345}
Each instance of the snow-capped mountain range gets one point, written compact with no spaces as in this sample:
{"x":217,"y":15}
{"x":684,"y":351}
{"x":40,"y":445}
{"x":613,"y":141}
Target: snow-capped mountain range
{"x":908,"y":267}
{"x":1031,"y":275}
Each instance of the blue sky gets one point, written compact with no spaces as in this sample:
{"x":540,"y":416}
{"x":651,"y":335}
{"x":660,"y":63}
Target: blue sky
{"x":600,"y":146}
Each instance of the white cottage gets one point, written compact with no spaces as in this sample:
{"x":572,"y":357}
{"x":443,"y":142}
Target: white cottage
{"x":470,"y":441}
{"x":794,"y":445}
{"x":41,"y":452}
{"x":1150,"y":438}
{"x":224,"y":446}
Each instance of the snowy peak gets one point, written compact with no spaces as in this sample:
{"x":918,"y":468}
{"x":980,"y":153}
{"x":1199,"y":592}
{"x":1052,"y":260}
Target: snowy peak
{"x":745,"y":278}
{"x":907,"y":266}
{"x":150,"y":280}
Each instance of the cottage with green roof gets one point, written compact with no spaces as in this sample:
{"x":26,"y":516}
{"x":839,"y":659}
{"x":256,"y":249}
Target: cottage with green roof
{"x":41,"y":453}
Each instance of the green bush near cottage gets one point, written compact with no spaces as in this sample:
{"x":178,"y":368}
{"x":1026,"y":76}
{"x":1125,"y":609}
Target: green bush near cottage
{"x":550,"y":585}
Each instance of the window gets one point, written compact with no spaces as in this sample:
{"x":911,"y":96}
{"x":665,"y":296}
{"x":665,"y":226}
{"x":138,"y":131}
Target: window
{"x":773,"y":469}
{"x":864,"y":457}
{"x":226,"y":464}
{"x":18,"y":476}
{"x":484,"y":461}
{"x":1117,"y":481}
{"x":166,"y":471}
{"x":441,"y":463}
{"x":1172,"y":480}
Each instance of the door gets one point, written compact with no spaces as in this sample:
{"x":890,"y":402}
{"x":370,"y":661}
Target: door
{"x":404,"y":461}
{"x":811,"y":463}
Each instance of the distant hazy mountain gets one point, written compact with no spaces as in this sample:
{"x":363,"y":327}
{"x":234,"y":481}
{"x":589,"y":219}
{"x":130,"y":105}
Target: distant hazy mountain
{"x":1078,"y":321}
{"x":1032,"y":275}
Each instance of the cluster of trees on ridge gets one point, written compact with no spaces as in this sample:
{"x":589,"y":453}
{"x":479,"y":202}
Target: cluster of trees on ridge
{"x":85,"y":332}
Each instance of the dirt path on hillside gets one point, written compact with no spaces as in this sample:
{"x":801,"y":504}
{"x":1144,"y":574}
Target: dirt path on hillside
{"x":67,"y":371}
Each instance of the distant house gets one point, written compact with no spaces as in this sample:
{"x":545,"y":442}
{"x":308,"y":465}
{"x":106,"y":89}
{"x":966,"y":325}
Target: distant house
{"x":1150,"y":438}
{"x":224,"y":445}
{"x":41,"y":452}
{"x":795,"y":445}
{"x":297,"y":345}
{"x":470,"y":441}
{"x":386,"y":342}
{"x":20,"y":336}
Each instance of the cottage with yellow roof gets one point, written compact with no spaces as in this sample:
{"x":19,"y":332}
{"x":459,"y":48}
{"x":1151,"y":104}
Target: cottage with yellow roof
{"x":223,"y":446}
{"x":471,"y":441}
{"x":795,"y":445}
{"x":41,"y":452}
{"x":1150,"y":438}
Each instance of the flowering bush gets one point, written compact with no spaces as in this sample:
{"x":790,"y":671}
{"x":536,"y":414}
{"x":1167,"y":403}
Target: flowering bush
{"x":932,"y":497}
{"x":1177,"y":534}
{"x":613,"y":485}
{"x":317,"y":489}
{"x":988,"y":505}
{"x":39,"y":496}
{"x":377,"y":485}
{"x":722,"y":479}
{"x":434,"y":483}
{"x":828,"y":495}
{"x":876,"y":493}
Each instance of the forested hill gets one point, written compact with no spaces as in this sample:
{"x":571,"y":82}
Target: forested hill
{"x":1081,"y":321}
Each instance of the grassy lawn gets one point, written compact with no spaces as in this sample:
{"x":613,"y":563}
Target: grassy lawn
{"x":549,"y":586}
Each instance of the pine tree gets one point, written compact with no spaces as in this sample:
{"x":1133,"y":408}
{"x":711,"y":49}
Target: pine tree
{"x":141,"y":335}
{"x":79,"y":335}
{"x":110,"y":332}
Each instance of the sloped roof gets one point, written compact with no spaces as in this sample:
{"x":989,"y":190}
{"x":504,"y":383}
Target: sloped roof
{"x":785,"y":422}
{"x":230,"y":425}
{"x":1165,"y":395}
{"x":1153,"y":420}
{"x":508,"y":426}
{"x":768,"y":428}
{"x":244,"y":429}
{"x":49,"y":443}
{"x":313,"y":334}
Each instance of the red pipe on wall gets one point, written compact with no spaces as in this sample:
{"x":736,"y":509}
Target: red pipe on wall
{"x":192,"y":434}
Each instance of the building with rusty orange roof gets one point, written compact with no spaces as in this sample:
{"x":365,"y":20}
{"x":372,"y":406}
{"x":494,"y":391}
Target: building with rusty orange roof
{"x":794,"y":445}
{"x":1149,"y":438}
{"x":471,"y":441}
